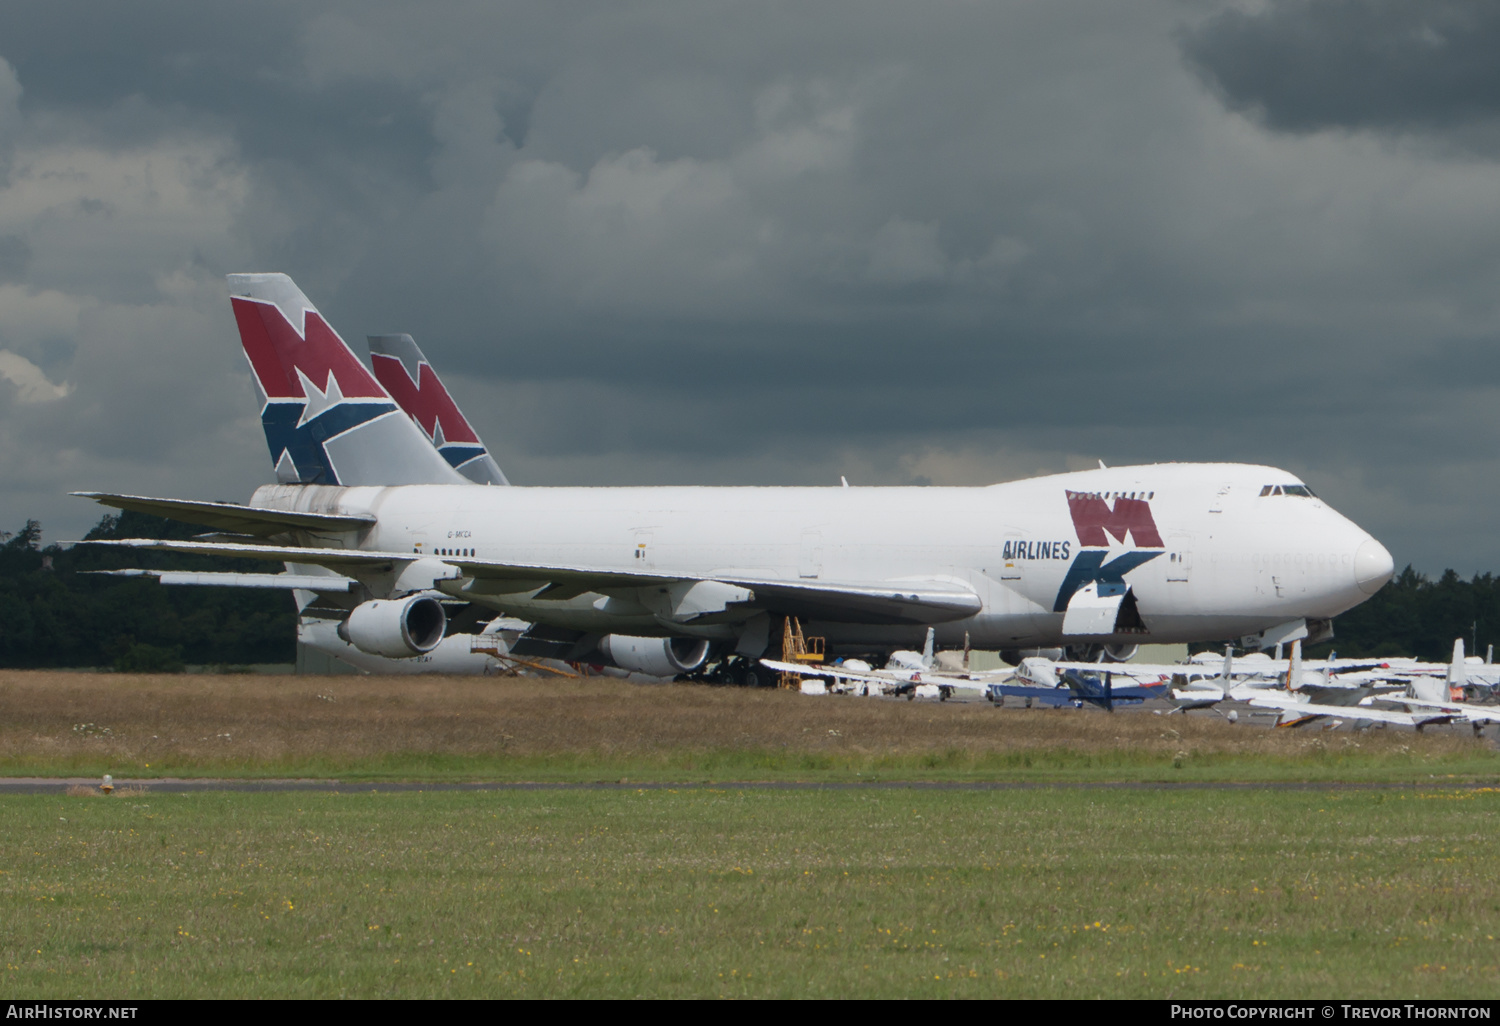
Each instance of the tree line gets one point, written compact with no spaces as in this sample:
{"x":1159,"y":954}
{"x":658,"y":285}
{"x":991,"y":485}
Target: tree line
{"x":54,"y":613}
{"x":1415,"y":615}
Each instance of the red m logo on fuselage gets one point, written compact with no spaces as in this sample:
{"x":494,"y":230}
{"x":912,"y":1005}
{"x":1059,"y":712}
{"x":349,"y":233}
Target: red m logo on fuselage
{"x":1092,"y":518}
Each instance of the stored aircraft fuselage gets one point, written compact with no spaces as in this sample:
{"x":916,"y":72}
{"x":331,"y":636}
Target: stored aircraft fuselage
{"x":390,"y":497}
{"x":1207,"y":551}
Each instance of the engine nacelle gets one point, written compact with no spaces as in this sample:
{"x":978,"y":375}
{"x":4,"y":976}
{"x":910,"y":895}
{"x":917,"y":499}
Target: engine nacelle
{"x":658,"y":657}
{"x":396,"y":628}
{"x":1013,"y":656}
{"x":1119,"y":652}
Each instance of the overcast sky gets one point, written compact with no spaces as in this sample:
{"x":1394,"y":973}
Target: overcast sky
{"x":767,"y":243}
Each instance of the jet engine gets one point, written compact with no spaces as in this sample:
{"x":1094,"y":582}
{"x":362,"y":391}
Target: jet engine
{"x":1120,"y":652}
{"x":396,"y":628}
{"x":658,"y":657}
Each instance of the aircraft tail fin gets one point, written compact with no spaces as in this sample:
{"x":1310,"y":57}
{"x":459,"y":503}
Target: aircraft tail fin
{"x":1458,"y":670}
{"x":410,"y":379}
{"x":927,"y":650}
{"x":1294,"y":672}
{"x":327,"y":419}
{"x":1431,"y":689}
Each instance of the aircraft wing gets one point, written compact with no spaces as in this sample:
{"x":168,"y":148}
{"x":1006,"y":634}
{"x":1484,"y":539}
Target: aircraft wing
{"x":227,"y":516}
{"x":881,"y":677}
{"x":1455,"y":709}
{"x":307,"y":582}
{"x":1136,"y":671}
{"x":831,"y":672}
{"x":1295,"y":713}
{"x":905,"y":602}
{"x":898,"y":602}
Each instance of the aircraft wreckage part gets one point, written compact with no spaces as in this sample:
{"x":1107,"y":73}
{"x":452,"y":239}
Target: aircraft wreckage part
{"x":396,"y":628}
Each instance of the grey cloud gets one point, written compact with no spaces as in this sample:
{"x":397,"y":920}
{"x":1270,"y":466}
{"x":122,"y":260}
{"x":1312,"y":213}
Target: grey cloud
{"x":15,"y":255}
{"x":1376,"y":64}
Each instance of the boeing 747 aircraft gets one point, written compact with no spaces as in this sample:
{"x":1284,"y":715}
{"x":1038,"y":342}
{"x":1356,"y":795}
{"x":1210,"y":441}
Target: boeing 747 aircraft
{"x":397,"y":511}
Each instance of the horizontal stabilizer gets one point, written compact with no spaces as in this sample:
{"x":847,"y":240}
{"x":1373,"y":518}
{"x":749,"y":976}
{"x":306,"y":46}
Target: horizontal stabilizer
{"x":310,"y":582}
{"x":226,"y":516}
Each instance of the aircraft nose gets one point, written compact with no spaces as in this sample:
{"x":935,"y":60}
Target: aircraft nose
{"x":1373,"y":566}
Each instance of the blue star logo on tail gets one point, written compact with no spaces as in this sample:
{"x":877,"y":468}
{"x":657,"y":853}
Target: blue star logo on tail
{"x":296,"y":432}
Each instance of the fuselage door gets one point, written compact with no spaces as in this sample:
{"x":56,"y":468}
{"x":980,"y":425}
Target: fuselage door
{"x":1179,"y":557}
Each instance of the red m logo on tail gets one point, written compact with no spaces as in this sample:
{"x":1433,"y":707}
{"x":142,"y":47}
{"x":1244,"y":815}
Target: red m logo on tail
{"x":425,"y":400}
{"x":1092,"y":518}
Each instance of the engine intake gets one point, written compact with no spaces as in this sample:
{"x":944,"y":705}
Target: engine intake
{"x":658,"y":657}
{"x":396,"y":628}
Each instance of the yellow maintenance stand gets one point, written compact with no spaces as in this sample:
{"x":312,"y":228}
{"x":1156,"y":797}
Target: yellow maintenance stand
{"x":797,"y":648}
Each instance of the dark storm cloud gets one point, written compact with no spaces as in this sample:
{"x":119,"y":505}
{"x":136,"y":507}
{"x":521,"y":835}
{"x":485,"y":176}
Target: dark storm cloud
{"x":128,"y":72}
{"x":676,"y":242}
{"x":1381,"y":64}
{"x":15,"y":254}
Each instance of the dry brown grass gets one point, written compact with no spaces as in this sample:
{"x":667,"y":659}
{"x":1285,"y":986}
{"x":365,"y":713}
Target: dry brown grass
{"x":247,"y":722}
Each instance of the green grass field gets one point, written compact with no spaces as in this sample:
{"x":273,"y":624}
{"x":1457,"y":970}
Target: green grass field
{"x":716,"y":892}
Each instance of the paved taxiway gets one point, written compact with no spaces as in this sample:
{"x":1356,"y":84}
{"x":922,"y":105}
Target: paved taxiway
{"x":58,"y":785}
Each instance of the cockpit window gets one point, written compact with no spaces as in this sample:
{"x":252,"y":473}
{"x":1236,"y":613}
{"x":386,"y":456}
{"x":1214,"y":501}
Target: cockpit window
{"x":1291,"y":489}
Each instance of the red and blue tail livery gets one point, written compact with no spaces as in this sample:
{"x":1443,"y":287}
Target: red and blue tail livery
{"x":409,"y":378}
{"x":327,"y":419}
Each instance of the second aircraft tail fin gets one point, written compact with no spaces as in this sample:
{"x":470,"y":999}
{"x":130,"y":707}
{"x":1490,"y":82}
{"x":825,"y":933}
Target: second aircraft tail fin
{"x":409,"y":378}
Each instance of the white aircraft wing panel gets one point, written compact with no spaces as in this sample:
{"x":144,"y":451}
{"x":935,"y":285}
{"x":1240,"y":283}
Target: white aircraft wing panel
{"x":902,"y":602}
{"x":1458,"y":710}
{"x":1139,"y":671}
{"x":881,"y":677}
{"x":307,"y":582}
{"x":907,"y":602}
{"x":1346,"y":712}
{"x":227,"y":516}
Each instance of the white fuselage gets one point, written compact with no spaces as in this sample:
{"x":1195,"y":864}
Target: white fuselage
{"x":1231,"y":561}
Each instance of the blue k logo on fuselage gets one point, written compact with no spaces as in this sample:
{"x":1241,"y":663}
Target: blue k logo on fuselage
{"x":1090,"y":567}
{"x":1095,"y":523}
